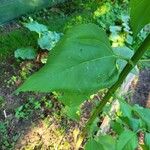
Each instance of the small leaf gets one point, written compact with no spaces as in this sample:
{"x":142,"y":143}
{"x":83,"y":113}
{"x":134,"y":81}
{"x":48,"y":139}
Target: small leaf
{"x":127,"y":141}
{"x":92,"y":145}
{"x":126,"y":109}
{"x":72,"y":112}
{"x":147,"y":141}
{"x":107,"y":142}
{"x":101,"y":143}
{"x":48,"y":40}
{"x":133,"y":123}
{"x":140,"y":17}
{"x":25,"y":53}
{"x":115,"y":29}
{"x":144,"y":114}
{"x":125,"y":54}
{"x":93,"y":128}
{"x":36,"y":27}
{"x":117,"y":127}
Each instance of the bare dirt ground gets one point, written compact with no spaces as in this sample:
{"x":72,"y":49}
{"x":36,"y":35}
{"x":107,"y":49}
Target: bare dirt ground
{"x":141,"y":93}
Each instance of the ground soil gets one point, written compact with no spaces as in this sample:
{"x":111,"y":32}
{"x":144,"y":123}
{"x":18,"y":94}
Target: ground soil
{"x":141,"y":93}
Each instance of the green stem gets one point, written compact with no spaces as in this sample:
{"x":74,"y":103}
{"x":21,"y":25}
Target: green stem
{"x":136,"y":57}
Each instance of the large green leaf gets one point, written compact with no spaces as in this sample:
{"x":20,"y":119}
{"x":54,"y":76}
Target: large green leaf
{"x":140,"y":10}
{"x":80,"y":64}
{"x":101,"y":143}
{"x":127,"y":141}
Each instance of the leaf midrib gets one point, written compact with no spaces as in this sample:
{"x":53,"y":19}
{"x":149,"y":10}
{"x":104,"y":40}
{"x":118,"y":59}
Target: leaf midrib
{"x":84,"y":62}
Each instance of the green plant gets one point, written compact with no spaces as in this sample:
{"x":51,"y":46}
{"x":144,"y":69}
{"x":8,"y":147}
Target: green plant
{"x":24,"y":111}
{"x":25,"y":53}
{"x":47,"y":39}
{"x":5,"y":142}
{"x":47,"y":103}
{"x":111,"y":13}
{"x":82,"y":63}
{"x":12,"y":81}
{"x":128,"y":122}
{"x":3,"y":133}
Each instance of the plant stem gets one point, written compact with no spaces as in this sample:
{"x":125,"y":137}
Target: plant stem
{"x":136,"y":57}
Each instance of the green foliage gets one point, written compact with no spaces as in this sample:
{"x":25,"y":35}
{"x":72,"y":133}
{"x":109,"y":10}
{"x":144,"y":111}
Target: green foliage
{"x":147,"y":141}
{"x":72,"y":112}
{"x":81,"y":64}
{"x":139,"y":8}
{"x":102,"y":142}
{"x":117,"y":127}
{"x":70,"y":66}
{"x":73,"y":78}
{"x":124,"y":54}
{"x":5,"y":143}
{"x":144,"y":114}
{"x":26,"y":110}
{"x":111,"y":14}
{"x":134,"y":117}
{"x":36,"y":27}
{"x":126,"y":126}
{"x":126,"y":109}
{"x":127,"y":141}
{"x":47,"y":39}
{"x":3,"y":133}
{"x":17,"y":38}
{"x":78,"y":20}
{"x":25,"y":53}
{"x":92,"y":144}
{"x":129,"y":122}
{"x":94,"y":128}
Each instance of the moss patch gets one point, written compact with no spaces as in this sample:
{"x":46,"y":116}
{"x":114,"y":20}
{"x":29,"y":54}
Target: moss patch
{"x":9,"y":42}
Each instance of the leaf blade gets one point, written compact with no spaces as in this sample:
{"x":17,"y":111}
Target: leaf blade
{"x":138,"y":21}
{"x":127,"y":141}
{"x":103,"y":142}
{"x":80,"y":64}
{"x":25,"y":53}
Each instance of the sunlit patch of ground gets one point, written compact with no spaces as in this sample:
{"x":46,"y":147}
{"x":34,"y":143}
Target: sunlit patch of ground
{"x":48,"y":134}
